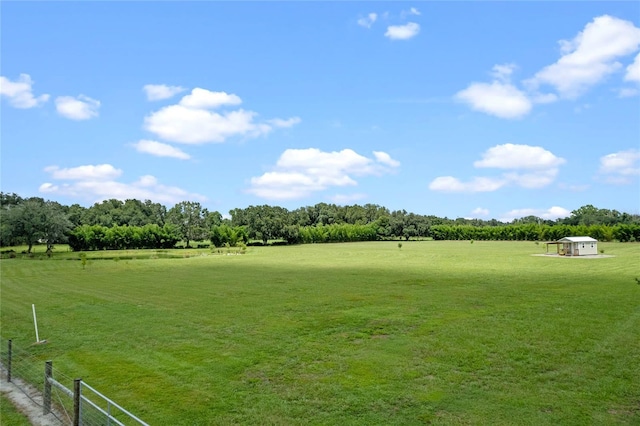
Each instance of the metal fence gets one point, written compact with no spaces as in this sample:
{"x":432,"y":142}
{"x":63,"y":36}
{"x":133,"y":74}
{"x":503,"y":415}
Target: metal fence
{"x":63,"y":400}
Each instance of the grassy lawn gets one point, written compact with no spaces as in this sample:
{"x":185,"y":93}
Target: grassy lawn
{"x":350,"y":334}
{"x":9,"y":415}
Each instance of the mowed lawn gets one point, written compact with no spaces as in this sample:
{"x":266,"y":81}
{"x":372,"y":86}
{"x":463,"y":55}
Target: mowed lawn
{"x":349,"y":334}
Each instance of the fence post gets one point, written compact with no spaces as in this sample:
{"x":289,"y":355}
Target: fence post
{"x":9,"y":362}
{"x":76,"y":402}
{"x":46,"y":399}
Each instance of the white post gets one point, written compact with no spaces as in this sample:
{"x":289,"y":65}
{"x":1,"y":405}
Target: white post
{"x":35,"y":322}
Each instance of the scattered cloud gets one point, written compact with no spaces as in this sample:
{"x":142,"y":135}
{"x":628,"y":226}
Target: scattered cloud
{"x":300,"y":172}
{"x":79,"y":108}
{"x":587,"y":59}
{"x":633,"y":70}
{"x":402,"y":32}
{"x":20,"y":92}
{"x":551,"y":213}
{"x":283,"y":124}
{"x":499,"y":98}
{"x":590,"y":56}
{"x":385,"y":158}
{"x":203,"y":98}
{"x":528,"y":167}
{"x":191,"y":121}
{"x":511,"y":156}
{"x":502,"y":72}
{"x":477,"y":184}
{"x":368,"y":20}
{"x":97,"y":183}
{"x":479,"y":211}
{"x":620,"y":167}
{"x":160,"y":149}
{"x":411,"y":11}
{"x":89,"y":172}
{"x":537,"y":179}
{"x":157,"y":92}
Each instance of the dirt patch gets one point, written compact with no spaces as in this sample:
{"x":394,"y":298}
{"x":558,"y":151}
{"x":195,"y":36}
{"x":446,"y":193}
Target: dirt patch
{"x":29,"y":403}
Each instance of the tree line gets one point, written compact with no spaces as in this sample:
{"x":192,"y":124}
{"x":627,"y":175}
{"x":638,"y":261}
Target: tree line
{"x":116,"y":224}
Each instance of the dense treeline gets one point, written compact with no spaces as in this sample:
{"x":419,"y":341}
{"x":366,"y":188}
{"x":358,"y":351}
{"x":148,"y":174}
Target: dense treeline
{"x":535,"y":232}
{"x":120,"y":237}
{"x":115,"y":224}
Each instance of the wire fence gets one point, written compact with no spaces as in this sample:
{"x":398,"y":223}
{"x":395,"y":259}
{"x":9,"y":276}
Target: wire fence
{"x":25,"y":371}
{"x":64,"y":400}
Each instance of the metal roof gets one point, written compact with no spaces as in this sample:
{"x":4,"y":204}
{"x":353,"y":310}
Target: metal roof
{"x":579,"y":240}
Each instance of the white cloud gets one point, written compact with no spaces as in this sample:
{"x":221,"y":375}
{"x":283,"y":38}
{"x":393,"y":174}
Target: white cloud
{"x":538,"y":179}
{"x":156,"y":92}
{"x":160,"y":149}
{"x":497,"y":98}
{"x":586,"y":60}
{"x":20,"y":92}
{"x":103,"y":186}
{"x":177,"y":123}
{"x":279,"y":122}
{"x":539,"y":165}
{"x":300,"y":172}
{"x":385,"y":158}
{"x":80,"y":108}
{"x":411,"y":11}
{"x":191,"y":122}
{"x":205,"y":99}
{"x":91,"y":172}
{"x":368,"y":21}
{"x":479,"y":211}
{"x":511,"y":156}
{"x":590,"y":57}
{"x":633,"y":70}
{"x":620,"y":167}
{"x":402,"y":32}
{"x":500,"y":98}
{"x":477,"y":184}
{"x":502,"y":72}
{"x":551,"y":213}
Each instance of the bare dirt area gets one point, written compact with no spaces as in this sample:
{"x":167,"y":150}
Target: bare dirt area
{"x":28,"y":400}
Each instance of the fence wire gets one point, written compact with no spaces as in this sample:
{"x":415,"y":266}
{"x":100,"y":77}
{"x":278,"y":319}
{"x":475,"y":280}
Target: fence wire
{"x":28,"y":375}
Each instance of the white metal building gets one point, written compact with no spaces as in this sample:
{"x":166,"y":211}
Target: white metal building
{"x":576,"y":246}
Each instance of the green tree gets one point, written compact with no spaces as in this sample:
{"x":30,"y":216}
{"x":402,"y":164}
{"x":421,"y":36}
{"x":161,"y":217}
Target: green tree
{"x":262,"y":222}
{"x":35,"y":219}
{"x":189,"y":219}
{"x":56,"y":224}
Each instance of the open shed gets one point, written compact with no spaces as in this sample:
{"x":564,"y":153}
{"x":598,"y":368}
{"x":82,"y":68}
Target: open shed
{"x":575,"y":246}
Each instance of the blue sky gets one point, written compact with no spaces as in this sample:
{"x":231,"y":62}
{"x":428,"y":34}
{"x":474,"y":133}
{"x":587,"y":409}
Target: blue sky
{"x":458,"y":109}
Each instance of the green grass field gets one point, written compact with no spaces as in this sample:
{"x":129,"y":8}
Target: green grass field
{"x":349,"y":334}
{"x":9,"y":415}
